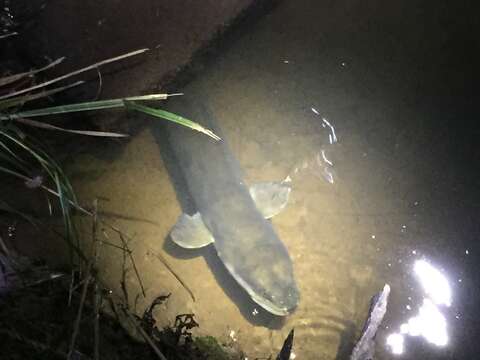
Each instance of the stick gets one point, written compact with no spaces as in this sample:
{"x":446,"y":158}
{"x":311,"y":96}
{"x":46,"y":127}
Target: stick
{"x":96,"y":292}
{"x":164,"y":262}
{"x":73,"y":73}
{"x":130,"y":255}
{"x":147,"y":338}
{"x":76,"y":327}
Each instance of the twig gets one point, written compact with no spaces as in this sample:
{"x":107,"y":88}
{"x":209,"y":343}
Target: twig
{"x":75,"y":287}
{"x":30,"y":97}
{"x":4,"y":36}
{"x":4,"y":247}
{"x":113,"y":245}
{"x":76,"y":327}
{"x":96,"y":292}
{"x":147,"y":338}
{"x":100,"y":85}
{"x":123,"y":283}
{"x":165,"y":263}
{"x":71,"y":287}
{"x":130,"y":255}
{"x":73,"y":73}
{"x":12,"y":78}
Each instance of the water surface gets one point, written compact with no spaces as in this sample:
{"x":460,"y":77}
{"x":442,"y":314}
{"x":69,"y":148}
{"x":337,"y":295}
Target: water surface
{"x":397,"y":185}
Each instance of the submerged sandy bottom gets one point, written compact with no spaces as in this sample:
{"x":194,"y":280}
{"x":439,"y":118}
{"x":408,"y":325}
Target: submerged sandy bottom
{"x":334,"y":276}
{"x":346,"y":238}
{"x":334,"y":232}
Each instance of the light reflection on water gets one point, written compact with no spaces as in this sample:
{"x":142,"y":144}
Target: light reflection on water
{"x":429,"y":322}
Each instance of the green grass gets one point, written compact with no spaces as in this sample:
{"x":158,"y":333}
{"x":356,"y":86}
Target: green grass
{"x":23,"y":157}
{"x":12,"y":102}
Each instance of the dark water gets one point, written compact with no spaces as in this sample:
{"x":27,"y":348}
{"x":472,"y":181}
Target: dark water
{"x":398,"y":82}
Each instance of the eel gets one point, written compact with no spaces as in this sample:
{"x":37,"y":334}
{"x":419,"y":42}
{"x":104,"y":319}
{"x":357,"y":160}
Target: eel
{"x":230,"y":215}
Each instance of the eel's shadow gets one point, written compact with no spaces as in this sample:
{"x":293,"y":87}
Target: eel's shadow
{"x":347,"y":341}
{"x":249,"y":309}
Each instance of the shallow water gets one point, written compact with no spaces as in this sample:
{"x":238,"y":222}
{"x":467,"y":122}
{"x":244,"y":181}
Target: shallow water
{"x":396,"y":190}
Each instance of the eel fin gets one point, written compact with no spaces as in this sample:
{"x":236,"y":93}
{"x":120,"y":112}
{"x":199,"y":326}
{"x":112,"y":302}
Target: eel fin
{"x":190,"y":232}
{"x":270,"y":197}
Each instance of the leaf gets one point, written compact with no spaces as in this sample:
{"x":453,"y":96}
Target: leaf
{"x":171,"y":117}
{"x":85,"y":106}
{"x":80,"y":132}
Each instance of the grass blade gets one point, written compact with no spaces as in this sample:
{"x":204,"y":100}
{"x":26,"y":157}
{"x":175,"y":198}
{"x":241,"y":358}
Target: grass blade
{"x":41,"y":160}
{"x":11,"y":153}
{"x":46,"y":126}
{"x":171,"y":117}
{"x":85,"y":106}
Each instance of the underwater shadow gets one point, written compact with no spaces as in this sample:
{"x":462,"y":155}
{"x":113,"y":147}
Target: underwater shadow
{"x":347,"y":341}
{"x":251,"y":311}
